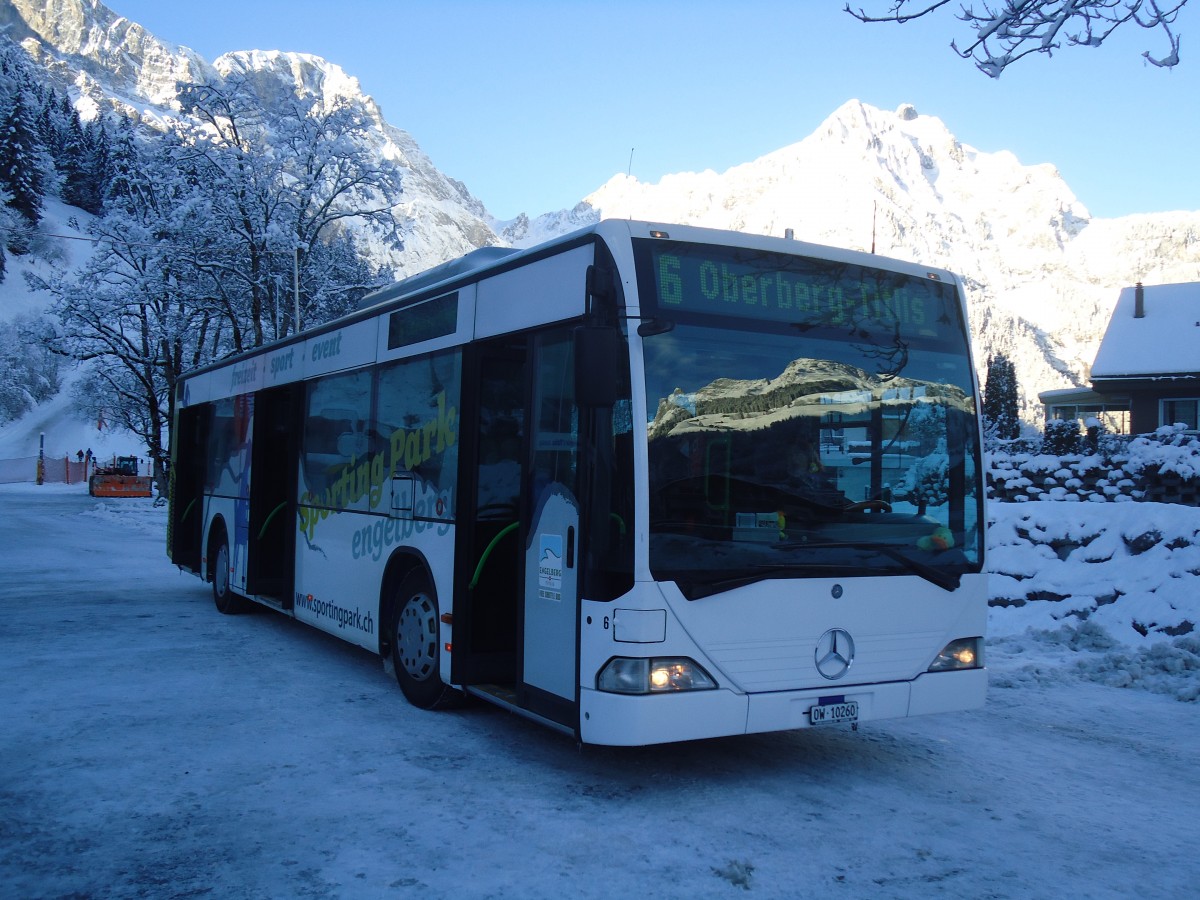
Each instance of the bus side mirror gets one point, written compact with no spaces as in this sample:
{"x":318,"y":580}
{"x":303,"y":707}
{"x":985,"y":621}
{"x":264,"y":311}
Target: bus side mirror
{"x":597,"y":356}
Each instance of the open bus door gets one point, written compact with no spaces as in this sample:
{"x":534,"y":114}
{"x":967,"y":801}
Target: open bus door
{"x":550,"y":658}
{"x":186,"y":523}
{"x":275,"y":453}
{"x":489,"y":533}
{"x":517,"y":611}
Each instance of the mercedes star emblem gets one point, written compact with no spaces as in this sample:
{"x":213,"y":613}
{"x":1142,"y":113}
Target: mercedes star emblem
{"x":834,"y":653}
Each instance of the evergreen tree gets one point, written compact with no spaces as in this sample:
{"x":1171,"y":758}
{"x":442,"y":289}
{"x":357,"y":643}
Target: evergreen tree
{"x":100,"y":164}
{"x":47,"y":131}
{"x":10,"y":225}
{"x":81,"y":186}
{"x":1000,"y":408}
{"x":122,"y":181}
{"x":21,"y":163}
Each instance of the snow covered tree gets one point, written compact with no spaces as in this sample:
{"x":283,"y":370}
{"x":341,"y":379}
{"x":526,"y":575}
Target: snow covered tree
{"x":28,"y":371}
{"x":136,"y":309}
{"x":83,"y":165}
{"x":927,"y":482}
{"x":1007,"y":31}
{"x":1001,"y":419}
{"x":280,"y":177}
{"x":335,"y":276}
{"x":202,"y":237}
{"x":22,"y":166}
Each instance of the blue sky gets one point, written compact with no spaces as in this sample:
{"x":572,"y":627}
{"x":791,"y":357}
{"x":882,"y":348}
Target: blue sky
{"x":533,"y":104}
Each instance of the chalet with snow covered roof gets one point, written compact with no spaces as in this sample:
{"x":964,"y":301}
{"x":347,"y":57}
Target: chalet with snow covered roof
{"x":1150,"y":356}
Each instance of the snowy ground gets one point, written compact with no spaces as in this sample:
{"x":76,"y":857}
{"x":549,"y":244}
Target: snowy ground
{"x":154,"y":748}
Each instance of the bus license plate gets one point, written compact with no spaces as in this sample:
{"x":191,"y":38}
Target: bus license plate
{"x":834,"y":713}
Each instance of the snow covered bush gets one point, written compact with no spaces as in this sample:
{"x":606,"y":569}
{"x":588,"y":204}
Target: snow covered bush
{"x":1061,"y":438}
{"x":1163,"y":466}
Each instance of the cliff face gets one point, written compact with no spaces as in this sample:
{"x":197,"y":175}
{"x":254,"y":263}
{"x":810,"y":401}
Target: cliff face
{"x":85,"y":38}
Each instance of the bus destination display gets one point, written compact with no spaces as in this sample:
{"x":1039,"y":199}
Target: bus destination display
{"x":731,"y":281}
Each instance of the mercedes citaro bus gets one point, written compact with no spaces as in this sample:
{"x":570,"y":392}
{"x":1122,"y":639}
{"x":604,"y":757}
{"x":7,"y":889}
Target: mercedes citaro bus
{"x":642,"y":483}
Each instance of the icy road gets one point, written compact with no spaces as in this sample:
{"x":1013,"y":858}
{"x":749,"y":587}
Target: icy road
{"x":153,"y":748}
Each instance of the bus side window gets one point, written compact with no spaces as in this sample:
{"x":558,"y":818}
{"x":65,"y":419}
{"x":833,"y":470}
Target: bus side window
{"x":229,"y":430}
{"x":417,"y":426}
{"x":335,"y":440}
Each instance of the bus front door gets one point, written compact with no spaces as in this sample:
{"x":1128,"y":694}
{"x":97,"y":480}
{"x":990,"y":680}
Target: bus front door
{"x":550,"y":621}
{"x":487,"y":607}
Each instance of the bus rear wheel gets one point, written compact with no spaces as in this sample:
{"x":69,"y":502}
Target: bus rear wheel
{"x":415,"y":634}
{"x":227,"y":602}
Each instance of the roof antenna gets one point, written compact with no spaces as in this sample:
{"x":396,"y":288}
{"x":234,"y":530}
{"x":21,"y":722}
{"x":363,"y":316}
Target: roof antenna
{"x":874,"y":215}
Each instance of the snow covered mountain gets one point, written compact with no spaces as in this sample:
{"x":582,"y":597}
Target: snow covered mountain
{"x":109,"y":63}
{"x":1043,"y":275}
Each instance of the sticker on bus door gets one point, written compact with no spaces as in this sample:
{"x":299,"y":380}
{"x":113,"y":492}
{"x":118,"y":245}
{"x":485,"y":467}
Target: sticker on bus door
{"x":550,"y":567}
{"x":551,"y":596}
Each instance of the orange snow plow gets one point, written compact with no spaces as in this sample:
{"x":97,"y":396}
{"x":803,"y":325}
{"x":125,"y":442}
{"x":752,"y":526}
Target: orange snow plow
{"x":120,"y":479}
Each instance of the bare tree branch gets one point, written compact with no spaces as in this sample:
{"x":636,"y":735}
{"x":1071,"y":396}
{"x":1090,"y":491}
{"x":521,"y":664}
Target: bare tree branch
{"x":1009,"y":30}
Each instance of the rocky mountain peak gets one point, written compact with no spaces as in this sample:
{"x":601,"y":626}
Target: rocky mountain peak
{"x":85,"y":37}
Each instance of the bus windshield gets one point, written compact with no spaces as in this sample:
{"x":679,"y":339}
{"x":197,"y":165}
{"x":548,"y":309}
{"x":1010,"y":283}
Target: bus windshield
{"x":807,"y":418}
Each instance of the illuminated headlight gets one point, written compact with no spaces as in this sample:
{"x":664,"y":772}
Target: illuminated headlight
{"x":623,"y":675}
{"x":965,"y":653}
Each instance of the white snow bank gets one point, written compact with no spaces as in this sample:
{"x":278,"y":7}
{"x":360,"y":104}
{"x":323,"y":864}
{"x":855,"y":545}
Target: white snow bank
{"x":1100,"y":592}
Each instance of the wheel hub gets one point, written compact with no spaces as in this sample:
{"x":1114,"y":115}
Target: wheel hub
{"x":416,"y":637}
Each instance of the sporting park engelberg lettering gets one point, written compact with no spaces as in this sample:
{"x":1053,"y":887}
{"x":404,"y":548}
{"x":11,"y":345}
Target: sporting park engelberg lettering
{"x":407,"y":449}
{"x":374,"y":539}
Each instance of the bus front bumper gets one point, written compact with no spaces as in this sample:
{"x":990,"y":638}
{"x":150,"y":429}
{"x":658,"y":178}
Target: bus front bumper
{"x":635,"y":720}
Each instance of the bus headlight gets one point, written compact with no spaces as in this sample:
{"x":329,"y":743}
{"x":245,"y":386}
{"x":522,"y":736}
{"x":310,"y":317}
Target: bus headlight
{"x":965,"y":653}
{"x":625,"y":675}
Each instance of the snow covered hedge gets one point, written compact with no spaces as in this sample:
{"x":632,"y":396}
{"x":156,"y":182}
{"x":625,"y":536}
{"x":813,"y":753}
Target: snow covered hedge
{"x":1163,"y":467}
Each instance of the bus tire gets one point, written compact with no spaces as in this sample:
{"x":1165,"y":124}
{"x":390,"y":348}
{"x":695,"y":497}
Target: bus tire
{"x":227,"y":602}
{"x":415,"y":637}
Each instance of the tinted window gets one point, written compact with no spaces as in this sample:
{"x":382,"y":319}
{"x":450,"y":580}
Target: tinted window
{"x":229,"y":444}
{"x":418,"y":429}
{"x":423,"y":322}
{"x":339,"y":442}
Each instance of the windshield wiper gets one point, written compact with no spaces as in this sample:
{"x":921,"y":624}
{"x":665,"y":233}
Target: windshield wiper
{"x":698,"y":590}
{"x":860,"y":506}
{"x":947,"y":581}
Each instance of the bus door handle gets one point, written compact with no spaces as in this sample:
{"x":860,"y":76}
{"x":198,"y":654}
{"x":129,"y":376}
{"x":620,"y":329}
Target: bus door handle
{"x":404,"y":489}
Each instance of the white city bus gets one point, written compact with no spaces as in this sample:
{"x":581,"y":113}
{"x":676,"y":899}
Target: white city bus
{"x":643,"y":483}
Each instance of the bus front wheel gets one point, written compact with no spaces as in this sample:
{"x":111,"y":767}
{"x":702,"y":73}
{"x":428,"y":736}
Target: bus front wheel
{"x":414,"y":638}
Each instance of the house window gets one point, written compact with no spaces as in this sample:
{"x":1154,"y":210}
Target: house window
{"x":1181,"y":410}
